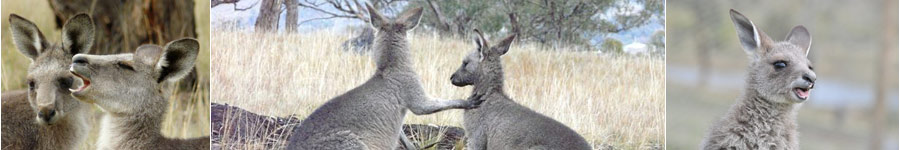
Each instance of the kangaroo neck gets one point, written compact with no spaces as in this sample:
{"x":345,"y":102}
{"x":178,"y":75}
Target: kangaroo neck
{"x":764,"y":110}
{"x":392,"y":53}
{"x":133,"y":131}
{"x":491,"y":80}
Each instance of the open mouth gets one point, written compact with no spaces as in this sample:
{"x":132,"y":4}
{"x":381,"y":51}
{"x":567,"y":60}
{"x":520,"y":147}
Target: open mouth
{"x":802,"y":93}
{"x":85,"y":82}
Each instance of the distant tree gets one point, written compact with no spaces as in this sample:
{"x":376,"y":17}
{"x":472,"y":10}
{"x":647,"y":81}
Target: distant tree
{"x":612,"y":45}
{"x":543,"y":21}
{"x":292,"y":15}
{"x":658,"y":39}
{"x":883,"y":66}
{"x":269,"y":14}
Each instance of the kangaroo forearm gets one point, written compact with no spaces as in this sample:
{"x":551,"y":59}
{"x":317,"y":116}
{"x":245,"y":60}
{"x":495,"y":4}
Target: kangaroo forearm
{"x":432,"y":105}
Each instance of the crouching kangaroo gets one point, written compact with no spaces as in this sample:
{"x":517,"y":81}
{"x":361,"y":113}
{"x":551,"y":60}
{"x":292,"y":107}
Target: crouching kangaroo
{"x":129,"y":88}
{"x":780,"y":79}
{"x":501,"y":123}
{"x":370,"y":116}
{"x":45,"y":116}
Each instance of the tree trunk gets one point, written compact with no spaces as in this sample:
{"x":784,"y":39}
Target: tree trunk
{"x":291,"y":22}
{"x":889,"y":28}
{"x":269,"y":14}
{"x":703,"y":64}
{"x":122,"y":26}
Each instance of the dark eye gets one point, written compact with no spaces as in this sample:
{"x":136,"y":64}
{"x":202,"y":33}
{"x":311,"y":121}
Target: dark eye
{"x":30,"y":85}
{"x":780,"y":64}
{"x":124,"y":65}
{"x":65,"y":83}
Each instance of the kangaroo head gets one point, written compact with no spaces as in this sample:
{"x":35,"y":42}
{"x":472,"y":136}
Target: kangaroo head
{"x":779,"y":71}
{"x":132,"y":83}
{"x":483,"y":59}
{"x":393,"y":29}
{"x":47,"y":77}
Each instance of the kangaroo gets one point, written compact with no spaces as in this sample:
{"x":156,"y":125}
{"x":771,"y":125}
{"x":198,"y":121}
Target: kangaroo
{"x":129,"y":88}
{"x":44,"y":116}
{"x":779,"y":81}
{"x":370,"y":116}
{"x":501,"y":123}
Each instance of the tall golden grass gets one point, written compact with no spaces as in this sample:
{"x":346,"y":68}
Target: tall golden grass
{"x":188,"y":114}
{"x":613,"y":101}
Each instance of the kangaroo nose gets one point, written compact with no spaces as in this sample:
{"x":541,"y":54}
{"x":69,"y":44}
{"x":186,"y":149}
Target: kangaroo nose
{"x":79,"y":60}
{"x":46,"y":114}
{"x":811,"y":78}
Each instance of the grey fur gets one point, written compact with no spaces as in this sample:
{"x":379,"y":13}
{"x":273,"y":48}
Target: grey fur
{"x":501,"y":123}
{"x":46,"y":116}
{"x":129,"y":88}
{"x":764,"y":116}
{"x":370,"y":116}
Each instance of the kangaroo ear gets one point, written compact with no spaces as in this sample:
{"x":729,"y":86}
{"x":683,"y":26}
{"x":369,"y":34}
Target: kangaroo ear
{"x":177,"y":59}
{"x":478,"y":43}
{"x":375,"y":18}
{"x":78,"y":34}
{"x":503,"y":47}
{"x":410,"y":18}
{"x":482,"y":43}
{"x":27,"y":37}
{"x":148,"y":54}
{"x":752,"y":39}
{"x":800,"y":36}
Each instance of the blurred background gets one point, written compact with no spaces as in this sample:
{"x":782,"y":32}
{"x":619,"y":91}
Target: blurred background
{"x":121,"y":26}
{"x":854,"y":51}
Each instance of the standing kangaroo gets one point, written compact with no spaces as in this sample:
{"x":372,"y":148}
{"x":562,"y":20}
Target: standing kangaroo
{"x":129,"y":88}
{"x":501,"y":123}
{"x":370,"y":116}
{"x":46,"y":116}
{"x":780,"y":79}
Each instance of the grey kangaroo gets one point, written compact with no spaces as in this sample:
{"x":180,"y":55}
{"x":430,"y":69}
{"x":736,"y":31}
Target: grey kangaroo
{"x":780,"y":79}
{"x":46,"y":117}
{"x":129,"y":88}
{"x":370,"y":116}
{"x":501,"y":123}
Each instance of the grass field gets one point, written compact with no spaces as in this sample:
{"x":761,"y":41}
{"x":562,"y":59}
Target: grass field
{"x":613,"y":101}
{"x":188,"y":114}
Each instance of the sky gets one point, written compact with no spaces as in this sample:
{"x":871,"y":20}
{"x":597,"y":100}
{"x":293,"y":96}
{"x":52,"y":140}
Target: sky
{"x":226,"y":13}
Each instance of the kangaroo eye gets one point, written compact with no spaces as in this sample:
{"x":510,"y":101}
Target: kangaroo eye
{"x":780,"y":64}
{"x":30,"y":85}
{"x":65,"y":83}
{"x":125,"y":66}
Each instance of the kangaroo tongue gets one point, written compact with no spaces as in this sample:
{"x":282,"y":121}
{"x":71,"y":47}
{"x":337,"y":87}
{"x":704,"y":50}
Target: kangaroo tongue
{"x":802,"y":93}
{"x":85,"y":83}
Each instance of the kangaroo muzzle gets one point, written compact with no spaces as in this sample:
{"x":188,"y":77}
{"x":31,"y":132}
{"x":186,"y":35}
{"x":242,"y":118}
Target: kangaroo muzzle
{"x":47,"y":114}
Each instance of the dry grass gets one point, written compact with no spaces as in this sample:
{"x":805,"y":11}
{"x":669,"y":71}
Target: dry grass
{"x":188,"y":114}
{"x":611,"y":101}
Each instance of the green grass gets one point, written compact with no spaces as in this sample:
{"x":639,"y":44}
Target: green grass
{"x":188,"y":114}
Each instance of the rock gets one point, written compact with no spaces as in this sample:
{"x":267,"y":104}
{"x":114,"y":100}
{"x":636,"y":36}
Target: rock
{"x":233,"y":126}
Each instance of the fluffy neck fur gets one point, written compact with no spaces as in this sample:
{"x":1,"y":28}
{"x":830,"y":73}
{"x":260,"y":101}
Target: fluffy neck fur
{"x":392,"y":53}
{"x":134,"y":131}
{"x":71,"y":130}
{"x":754,"y":110}
{"x":491,"y":79}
